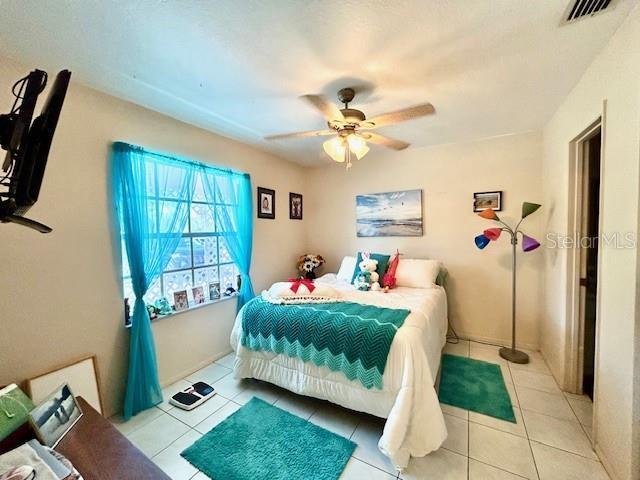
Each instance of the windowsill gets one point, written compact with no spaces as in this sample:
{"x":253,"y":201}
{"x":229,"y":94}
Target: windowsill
{"x":190,"y":309}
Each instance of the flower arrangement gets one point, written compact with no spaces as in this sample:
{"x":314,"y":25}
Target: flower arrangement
{"x":308,"y":263}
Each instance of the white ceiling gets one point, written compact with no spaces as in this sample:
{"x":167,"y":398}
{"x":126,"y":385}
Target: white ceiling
{"x":489,"y":67}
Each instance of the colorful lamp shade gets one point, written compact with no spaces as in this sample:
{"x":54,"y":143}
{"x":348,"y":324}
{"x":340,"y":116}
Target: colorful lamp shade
{"x":481,"y":241}
{"x":493,"y":234}
{"x":489,"y":214}
{"x":528,"y":208}
{"x":529,"y":243}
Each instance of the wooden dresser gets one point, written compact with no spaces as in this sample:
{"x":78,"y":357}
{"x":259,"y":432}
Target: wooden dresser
{"x":98,"y":450}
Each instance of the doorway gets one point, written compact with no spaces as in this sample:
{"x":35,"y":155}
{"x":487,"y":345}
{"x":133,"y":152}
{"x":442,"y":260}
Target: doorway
{"x":588,"y":237}
{"x":585,"y":168}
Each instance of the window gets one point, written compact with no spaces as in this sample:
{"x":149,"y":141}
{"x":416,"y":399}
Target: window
{"x":201,"y":257}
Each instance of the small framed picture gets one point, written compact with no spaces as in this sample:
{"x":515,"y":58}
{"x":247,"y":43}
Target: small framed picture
{"x":180,"y":300}
{"x":295,"y":206}
{"x":214,"y":291}
{"x":266,"y":203}
{"x":198,"y":295}
{"x":487,"y":201}
{"x":53,"y":418}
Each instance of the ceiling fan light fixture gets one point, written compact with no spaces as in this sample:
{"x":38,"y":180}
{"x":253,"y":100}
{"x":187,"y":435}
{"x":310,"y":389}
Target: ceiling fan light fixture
{"x":347,"y":124}
{"x":335,"y":148}
{"x":358,"y":146}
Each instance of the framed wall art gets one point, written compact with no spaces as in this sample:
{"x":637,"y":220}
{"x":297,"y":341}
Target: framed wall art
{"x":266,"y":203}
{"x":487,"y":200}
{"x":389,"y":214}
{"x":55,"y":416}
{"x":295,"y":206}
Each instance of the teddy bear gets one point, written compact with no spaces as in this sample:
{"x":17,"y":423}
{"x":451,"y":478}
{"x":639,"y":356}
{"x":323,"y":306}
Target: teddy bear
{"x":367,"y":278}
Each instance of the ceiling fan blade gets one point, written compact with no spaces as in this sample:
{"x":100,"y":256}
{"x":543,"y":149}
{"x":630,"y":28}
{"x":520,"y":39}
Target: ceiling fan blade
{"x":329,"y":109}
{"x":384,"y":141}
{"x":399,"y":116}
{"x":313,"y":133}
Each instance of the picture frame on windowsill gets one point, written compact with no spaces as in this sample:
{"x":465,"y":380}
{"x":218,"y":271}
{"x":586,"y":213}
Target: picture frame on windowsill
{"x":214,"y":291}
{"x":180,"y":301}
{"x":198,"y":295}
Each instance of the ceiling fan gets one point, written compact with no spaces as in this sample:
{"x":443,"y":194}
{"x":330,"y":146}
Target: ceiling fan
{"x":351,"y":127}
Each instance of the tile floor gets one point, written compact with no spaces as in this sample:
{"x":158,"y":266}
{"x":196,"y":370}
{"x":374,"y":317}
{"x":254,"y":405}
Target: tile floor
{"x":550,"y":441}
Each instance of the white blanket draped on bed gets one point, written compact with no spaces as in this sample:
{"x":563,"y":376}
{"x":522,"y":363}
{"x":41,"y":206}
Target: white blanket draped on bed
{"x":415,"y":425}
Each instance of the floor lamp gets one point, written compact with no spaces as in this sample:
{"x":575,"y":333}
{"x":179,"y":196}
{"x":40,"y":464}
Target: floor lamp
{"x":528,"y":244}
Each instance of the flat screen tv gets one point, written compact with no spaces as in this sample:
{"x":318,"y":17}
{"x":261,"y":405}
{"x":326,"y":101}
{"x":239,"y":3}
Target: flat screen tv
{"x":27,"y":144}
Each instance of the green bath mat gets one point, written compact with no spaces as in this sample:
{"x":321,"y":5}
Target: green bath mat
{"x":262,"y":441}
{"x":475,"y":385}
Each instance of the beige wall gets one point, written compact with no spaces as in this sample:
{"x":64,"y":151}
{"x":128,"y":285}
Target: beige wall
{"x":479,"y":284}
{"x":61,"y":293}
{"x":615,"y":77}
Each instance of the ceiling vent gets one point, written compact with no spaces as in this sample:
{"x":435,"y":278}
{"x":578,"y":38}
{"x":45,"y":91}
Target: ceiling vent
{"x":584,"y":8}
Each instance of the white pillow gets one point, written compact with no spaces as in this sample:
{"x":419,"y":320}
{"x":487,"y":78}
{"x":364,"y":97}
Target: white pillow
{"x":347,"y":267}
{"x":281,"y":293}
{"x":283,"y":290}
{"x":417,"y":273}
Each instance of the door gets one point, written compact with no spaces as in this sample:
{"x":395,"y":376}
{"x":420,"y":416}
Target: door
{"x":589,"y":243}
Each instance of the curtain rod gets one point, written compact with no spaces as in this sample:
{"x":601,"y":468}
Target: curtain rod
{"x":129,"y":146}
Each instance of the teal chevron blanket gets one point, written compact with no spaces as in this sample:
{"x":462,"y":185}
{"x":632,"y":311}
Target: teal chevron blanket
{"x":344,"y":336}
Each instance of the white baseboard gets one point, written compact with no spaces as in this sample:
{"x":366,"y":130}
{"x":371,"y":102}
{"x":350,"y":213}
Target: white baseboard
{"x":606,"y":464}
{"x":185,"y":373}
{"x":498,"y":341}
{"x":559,"y":381}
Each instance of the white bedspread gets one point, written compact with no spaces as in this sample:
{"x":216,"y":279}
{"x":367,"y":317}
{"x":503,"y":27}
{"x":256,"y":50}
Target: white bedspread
{"x":415,"y":425}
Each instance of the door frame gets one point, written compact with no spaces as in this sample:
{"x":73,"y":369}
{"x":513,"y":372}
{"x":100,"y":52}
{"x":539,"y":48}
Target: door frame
{"x":575,"y":332}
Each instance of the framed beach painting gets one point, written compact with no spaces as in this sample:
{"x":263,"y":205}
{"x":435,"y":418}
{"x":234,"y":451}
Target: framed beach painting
{"x":389,"y":214}
{"x":55,"y":416}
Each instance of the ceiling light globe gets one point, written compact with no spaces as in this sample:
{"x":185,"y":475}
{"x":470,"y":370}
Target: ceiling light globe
{"x":358,"y":146}
{"x":335,"y":148}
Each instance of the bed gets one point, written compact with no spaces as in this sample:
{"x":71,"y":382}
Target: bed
{"x":407,"y":400}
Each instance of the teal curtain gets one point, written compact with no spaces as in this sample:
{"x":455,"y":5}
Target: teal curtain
{"x":231,"y":193}
{"x":143,"y":186}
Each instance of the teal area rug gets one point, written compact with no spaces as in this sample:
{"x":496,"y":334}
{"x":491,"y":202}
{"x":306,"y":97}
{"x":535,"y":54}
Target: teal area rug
{"x":261,"y":441}
{"x":475,"y":385}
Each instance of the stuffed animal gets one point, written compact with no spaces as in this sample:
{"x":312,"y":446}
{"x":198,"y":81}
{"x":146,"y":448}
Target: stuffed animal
{"x":389,"y":278}
{"x":308,"y":263}
{"x":163,"y":306}
{"x":153,"y":312}
{"x":363,"y":281}
{"x":368,"y":274}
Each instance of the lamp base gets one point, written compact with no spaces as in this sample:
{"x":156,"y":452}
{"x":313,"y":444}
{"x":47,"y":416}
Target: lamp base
{"x":514,"y":356}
